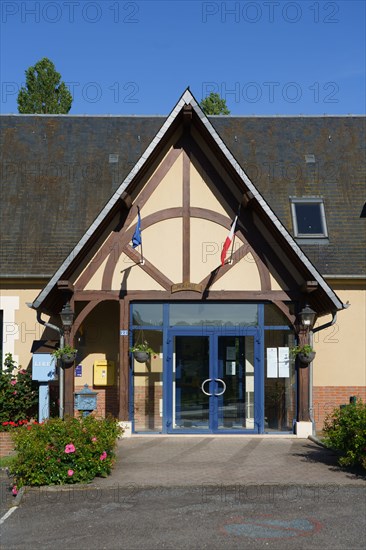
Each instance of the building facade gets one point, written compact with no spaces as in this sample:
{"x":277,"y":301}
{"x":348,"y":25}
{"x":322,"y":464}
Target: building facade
{"x":220,"y":329}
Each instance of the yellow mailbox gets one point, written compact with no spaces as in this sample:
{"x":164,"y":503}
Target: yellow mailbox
{"x":104,"y":373}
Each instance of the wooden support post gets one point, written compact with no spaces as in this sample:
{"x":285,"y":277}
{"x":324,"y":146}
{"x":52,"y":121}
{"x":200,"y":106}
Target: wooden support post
{"x":303,"y":413}
{"x":123,"y":362}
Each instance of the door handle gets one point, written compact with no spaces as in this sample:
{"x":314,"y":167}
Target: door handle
{"x":224,"y":385}
{"x":202,"y":388}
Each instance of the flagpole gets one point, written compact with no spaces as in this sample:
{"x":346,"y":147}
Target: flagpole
{"x":232,"y":250}
{"x":232,"y":246}
{"x":141,"y":251}
{"x":137,"y":236}
{"x":142,"y":254}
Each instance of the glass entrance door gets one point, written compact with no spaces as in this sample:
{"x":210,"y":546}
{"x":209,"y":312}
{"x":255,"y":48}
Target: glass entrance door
{"x":212,"y":383}
{"x":234,"y":403}
{"x":191,"y":380}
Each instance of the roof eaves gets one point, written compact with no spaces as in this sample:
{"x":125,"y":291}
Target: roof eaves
{"x":315,"y":273}
{"x":188,"y":98}
{"x":140,"y":163}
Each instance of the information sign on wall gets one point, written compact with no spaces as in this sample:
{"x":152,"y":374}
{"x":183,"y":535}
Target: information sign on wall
{"x":43,"y":367}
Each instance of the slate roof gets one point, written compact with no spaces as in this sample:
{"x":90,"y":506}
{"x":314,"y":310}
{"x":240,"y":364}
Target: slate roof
{"x":58,"y":172}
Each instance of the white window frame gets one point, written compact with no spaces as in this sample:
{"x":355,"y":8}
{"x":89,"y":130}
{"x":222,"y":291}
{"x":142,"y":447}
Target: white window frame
{"x":308,"y":200}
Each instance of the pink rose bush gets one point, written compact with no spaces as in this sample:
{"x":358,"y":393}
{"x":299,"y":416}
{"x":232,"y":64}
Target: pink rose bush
{"x":73,"y":450}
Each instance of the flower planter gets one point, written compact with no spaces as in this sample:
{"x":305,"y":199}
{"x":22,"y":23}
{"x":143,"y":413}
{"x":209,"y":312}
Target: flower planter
{"x":306,"y":358}
{"x":141,"y":356}
{"x":68,"y":358}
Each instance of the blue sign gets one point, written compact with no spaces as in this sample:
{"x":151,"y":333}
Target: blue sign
{"x":79,"y":371}
{"x":43,"y":367}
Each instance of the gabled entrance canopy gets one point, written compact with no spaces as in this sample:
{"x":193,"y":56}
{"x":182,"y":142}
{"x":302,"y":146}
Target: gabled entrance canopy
{"x":285,"y":272}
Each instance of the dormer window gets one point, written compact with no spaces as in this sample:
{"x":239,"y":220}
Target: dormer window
{"x":308,"y":217}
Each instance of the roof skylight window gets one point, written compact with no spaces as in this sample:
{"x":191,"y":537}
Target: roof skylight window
{"x":308,"y":217}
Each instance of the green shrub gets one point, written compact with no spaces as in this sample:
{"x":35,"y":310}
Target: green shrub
{"x":6,"y":461}
{"x":59,"y":451}
{"x":18,"y":394}
{"x":345,"y":431}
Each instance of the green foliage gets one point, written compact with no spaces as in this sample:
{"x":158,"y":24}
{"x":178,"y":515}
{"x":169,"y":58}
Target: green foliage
{"x":305,"y":349}
{"x":43,"y":91}
{"x":59,"y":451}
{"x":213,"y":104}
{"x":142,"y":347}
{"x":18,"y":395}
{"x":66,"y":350}
{"x":6,"y":461}
{"x":345,"y":431}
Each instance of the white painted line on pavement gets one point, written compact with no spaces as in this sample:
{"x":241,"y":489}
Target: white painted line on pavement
{"x":8,"y":513}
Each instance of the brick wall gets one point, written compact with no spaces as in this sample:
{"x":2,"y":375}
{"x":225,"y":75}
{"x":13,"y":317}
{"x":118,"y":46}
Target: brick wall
{"x":107,"y":400}
{"x":146,"y":408}
{"x":6,"y":444}
{"x":326,"y":398}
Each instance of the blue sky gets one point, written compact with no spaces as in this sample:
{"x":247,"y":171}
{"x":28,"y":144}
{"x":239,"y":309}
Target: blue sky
{"x":137,"y":57}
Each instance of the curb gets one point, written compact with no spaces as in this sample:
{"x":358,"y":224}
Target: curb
{"x":19,"y":496}
{"x":318,"y":442}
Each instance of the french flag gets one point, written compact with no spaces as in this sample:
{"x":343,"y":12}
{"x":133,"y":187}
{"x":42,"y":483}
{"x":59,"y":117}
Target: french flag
{"x":228,"y":241}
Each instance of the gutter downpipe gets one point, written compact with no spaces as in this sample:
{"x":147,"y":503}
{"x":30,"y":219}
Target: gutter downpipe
{"x":61,"y":370}
{"x":311,"y":401}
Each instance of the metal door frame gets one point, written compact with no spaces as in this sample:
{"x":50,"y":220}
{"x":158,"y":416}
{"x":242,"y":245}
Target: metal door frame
{"x":213,"y":334}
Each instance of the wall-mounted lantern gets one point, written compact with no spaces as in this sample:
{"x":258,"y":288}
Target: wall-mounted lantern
{"x":306,"y":318}
{"x":67,"y":317}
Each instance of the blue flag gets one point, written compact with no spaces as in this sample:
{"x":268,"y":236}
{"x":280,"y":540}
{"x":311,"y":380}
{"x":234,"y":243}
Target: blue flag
{"x":136,"y":239}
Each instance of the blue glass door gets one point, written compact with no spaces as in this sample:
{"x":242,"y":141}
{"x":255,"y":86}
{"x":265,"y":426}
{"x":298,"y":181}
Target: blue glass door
{"x":234,"y":397}
{"x":212,"y":381}
{"x":191,"y":387}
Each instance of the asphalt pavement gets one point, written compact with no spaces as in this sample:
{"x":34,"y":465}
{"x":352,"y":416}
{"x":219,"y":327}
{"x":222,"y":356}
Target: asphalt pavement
{"x":167,"y":461}
{"x":199,"y":492}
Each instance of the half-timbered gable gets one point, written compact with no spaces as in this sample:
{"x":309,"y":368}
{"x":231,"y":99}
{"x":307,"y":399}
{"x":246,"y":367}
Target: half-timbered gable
{"x":220,"y":330}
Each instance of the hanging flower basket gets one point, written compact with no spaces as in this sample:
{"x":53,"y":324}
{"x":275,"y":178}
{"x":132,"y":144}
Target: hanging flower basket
{"x":67,"y":354}
{"x":305,"y":353}
{"x":307,"y":357}
{"x":68,"y":358}
{"x":141,"y":352}
{"x":141,"y":356}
